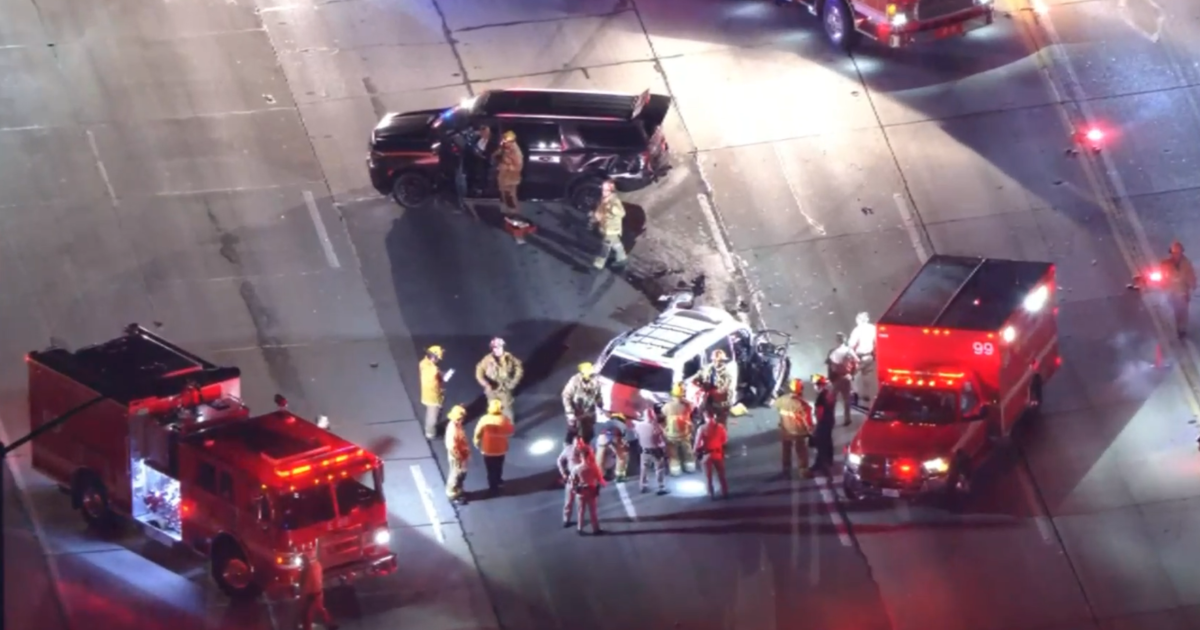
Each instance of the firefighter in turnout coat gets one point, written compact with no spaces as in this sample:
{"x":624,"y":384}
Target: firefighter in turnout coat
{"x":458,"y":451}
{"x":678,"y":415}
{"x":433,"y":388}
{"x":580,"y":398}
{"x":509,"y":163}
{"x":609,"y":217}
{"x":717,"y":381}
{"x":795,"y":427}
{"x":498,"y":374}
{"x":611,"y":446}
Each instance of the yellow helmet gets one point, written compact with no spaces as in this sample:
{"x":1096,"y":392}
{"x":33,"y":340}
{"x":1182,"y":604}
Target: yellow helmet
{"x":587,"y":369}
{"x":796,"y":386}
{"x":436,"y":351}
{"x":509,"y":136}
{"x":457,"y":412}
{"x":495,"y":406}
{"x":677,"y":390}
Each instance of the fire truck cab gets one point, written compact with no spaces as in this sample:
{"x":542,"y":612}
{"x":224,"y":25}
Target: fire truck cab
{"x":898,"y":23}
{"x":962,"y":354}
{"x":165,"y":440}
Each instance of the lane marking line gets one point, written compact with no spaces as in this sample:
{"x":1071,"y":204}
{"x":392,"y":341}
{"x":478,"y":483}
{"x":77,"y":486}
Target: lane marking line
{"x":626,"y":501}
{"x":322,"y":233}
{"x":910,"y":226}
{"x":839,"y":524}
{"x":1040,"y":518}
{"x":112,"y":194}
{"x":426,"y":493}
{"x":816,"y":226}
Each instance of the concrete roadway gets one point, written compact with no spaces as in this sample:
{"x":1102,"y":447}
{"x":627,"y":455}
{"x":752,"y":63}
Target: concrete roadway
{"x":211,"y":155}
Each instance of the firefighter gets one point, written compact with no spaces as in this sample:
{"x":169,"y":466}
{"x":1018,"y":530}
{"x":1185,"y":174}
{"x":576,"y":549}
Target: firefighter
{"x":499,"y":373}
{"x":678,"y":414}
{"x":609,"y":218}
{"x":1179,"y":280}
{"x":822,"y":437}
{"x":842,"y":364}
{"x":717,"y":381}
{"x":567,"y":459}
{"x":585,"y":482}
{"x":611,"y":443}
{"x":433,"y":388}
{"x":509,"y":163}
{"x":710,"y":447}
{"x":862,"y":343}
{"x":795,"y":426}
{"x":491,"y":438}
{"x":458,"y":451}
{"x":312,"y":590}
{"x":580,"y":399}
{"x":653,"y":442}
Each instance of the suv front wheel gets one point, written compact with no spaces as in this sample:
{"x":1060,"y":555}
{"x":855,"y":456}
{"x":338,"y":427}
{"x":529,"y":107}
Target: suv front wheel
{"x":413,"y":190}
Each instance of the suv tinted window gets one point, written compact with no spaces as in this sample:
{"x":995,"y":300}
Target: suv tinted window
{"x":637,"y":375}
{"x":611,"y":137}
{"x":536,"y":135}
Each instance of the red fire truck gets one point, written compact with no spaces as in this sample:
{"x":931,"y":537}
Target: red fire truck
{"x":962,"y":354}
{"x":897,"y":23}
{"x":161,"y":437}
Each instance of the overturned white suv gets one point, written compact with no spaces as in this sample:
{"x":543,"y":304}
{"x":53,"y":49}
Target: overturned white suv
{"x":639,"y":367}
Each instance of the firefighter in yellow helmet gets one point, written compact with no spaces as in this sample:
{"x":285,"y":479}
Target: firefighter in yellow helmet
{"x":612,"y":447}
{"x":498,"y":374}
{"x":795,"y":426}
{"x":509,"y":163}
{"x":433,"y":388}
{"x":458,"y":451}
{"x":491,"y":438}
{"x":717,"y":381}
{"x":580,"y":399}
{"x":678,"y":416}
{"x":609,"y":218}
{"x":1179,"y":281}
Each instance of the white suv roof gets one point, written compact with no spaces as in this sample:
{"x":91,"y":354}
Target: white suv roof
{"x":678,"y":334}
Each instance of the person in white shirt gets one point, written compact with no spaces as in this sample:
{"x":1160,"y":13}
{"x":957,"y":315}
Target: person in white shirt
{"x":842,"y":364}
{"x":653,"y":442}
{"x":862,"y":342}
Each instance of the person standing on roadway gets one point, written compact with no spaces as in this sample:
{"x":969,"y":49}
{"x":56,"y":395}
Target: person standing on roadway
{"x":491,"y":438}
{"x":566,"y":460}
{"x":509,"y":163}
{"x":862,"y":343}
{"x":653,"y":442}
{"x":458,"y":451}
{"x":312,"y":589}
{"x":710,"y":446}
{"x":611,"y":442}
{"x":718,"y":384}
{"x":842,"y":363}
{"x":795,"y":427}
{"x":822,"y":438}
{"x":1180,"y":283}
{"x":609,"y":218}
{"x":433,"y":388}
{"x":499,"y":373}
{"x":678,"y":415}
{"x":580,"y":399}
{"x":585,"y":482}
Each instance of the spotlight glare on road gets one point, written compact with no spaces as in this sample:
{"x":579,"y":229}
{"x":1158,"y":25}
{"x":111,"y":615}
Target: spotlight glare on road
{"x":541,"y":446}
{"x":690,"y":488}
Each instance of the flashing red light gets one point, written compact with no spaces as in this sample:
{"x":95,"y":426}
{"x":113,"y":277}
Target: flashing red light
{"x":905,"y":469}
{"x":295,"y":472}
{"x":1094,"y":135}
{"x":1156,"y":276}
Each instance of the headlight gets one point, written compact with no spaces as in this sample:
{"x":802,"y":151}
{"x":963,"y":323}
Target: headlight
{"x":382,"y":537}
{"x":853,"y":459}
{"x":899,"y":20}
{"x":288,"y":561}
{"x":936,"y":466}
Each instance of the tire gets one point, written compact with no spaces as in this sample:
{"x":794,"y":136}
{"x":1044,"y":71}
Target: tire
{"x":413,"y":190}
{"x":585,"y":194}
{"x":838,"y":23}
{"x":848,"y":489}
{"x":1035,"y":396}
{"x":92,"y":499}
{"x":232,"y":571}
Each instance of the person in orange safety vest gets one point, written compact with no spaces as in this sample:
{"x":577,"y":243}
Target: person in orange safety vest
{"x":491,"y":438}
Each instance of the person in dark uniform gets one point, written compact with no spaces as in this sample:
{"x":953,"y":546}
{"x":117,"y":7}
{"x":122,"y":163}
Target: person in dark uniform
{"x":822,"y":438}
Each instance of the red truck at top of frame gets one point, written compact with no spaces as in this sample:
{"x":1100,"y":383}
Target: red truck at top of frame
{"x":897,"y":23}
{"x":961,"y":355}
{"x":165,"y":440}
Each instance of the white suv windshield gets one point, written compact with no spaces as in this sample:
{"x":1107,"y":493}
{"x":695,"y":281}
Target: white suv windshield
{"x":638,"y":375}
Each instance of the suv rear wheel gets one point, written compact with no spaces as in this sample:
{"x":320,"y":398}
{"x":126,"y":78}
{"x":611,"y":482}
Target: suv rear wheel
{"x":413,"y":190}
{"x":585,"y":194}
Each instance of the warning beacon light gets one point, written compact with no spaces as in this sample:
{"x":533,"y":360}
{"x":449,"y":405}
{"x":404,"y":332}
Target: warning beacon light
{"x":1094,"y":135}
{"x":1156,"y":276}
{"x":1037,"y":299}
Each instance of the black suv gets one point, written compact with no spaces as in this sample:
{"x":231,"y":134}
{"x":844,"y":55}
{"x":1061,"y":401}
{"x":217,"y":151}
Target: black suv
{"x":571,"y":140}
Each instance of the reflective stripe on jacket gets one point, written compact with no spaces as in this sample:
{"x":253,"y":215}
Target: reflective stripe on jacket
{"x":433,"y":391}
{"x":492,"y":433}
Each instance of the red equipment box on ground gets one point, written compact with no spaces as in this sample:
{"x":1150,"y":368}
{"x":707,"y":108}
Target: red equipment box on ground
{"x":160,"y":436}
{"x":962,"y":354}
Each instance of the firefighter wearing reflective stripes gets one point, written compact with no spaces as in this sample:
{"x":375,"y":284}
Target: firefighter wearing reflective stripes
{"x":678,"y":415}
{"x":795,"y":426}
{"x":717,"y":381}
{"x":499,"y":373}
{"x":458,"y":451}
{"x":611,"y":447}
{"x":580,"y":399}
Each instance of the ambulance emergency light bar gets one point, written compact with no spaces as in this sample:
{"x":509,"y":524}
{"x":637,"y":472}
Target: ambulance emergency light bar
{"x":923,"y":379}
